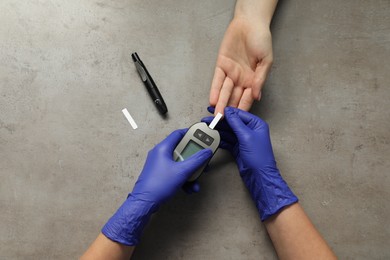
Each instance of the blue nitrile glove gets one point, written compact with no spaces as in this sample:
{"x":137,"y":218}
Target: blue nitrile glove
{"x":247,"y":137}
{"x":159,"y":180}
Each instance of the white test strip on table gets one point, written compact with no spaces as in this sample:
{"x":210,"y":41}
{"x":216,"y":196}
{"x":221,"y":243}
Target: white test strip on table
{"x":215,"y":120}
{"x":129,"y":118}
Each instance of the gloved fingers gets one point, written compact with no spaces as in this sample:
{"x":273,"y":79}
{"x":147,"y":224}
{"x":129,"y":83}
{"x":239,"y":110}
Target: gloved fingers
{"x":228,"y":137}
{"x":234,"y":121}
{"x":170,"y":142}
{"x":211,"y":109}
{"x":225,"y":131}
{"x":207,"y":120}
{"x":226,"y":146}
{"x":194,"y":162}
{"x":191,"y":187}
{"x":252,"y":121}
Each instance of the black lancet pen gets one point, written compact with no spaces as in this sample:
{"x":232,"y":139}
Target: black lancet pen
{"x":149,"y":84}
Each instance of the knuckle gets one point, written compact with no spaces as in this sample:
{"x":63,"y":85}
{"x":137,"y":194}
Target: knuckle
{"x":247,"y":102}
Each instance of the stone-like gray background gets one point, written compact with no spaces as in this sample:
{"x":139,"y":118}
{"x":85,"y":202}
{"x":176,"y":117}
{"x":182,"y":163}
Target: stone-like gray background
{"x":68,"y":157}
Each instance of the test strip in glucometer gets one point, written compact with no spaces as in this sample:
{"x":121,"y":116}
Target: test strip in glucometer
{"x":129,"y":118}
{"x":215,"y":120}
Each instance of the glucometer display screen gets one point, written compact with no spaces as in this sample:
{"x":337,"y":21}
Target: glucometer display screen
{"x":189,"y":150}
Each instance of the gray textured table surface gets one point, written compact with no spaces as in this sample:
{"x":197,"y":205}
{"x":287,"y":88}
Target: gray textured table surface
{"x":68,"y":157}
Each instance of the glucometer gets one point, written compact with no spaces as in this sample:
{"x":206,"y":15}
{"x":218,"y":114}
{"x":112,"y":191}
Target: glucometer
{"x":199,"y":136}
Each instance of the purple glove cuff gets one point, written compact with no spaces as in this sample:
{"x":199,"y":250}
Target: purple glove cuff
{"x":269,"y":191}
{"x":127,"y":224}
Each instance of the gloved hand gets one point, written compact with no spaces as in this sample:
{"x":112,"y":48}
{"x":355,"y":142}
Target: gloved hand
{"x":159,"y":180}
{"x":247,"y":138}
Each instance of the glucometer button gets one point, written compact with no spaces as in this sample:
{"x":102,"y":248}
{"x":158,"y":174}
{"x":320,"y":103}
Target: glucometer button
{"x":208,"y":140}
{"x":199,"y":134}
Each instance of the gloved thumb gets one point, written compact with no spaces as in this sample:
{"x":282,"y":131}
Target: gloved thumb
{"x":234,"y":121}
{"x":195,"y":161}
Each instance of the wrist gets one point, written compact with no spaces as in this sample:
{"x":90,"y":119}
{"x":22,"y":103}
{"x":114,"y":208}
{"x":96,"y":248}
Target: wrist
{"x":269,"y":191}
{"x":127,"y":224}
{"x":259,"y":12}
{"x":253,"y":21}
{"x":255,"y":24}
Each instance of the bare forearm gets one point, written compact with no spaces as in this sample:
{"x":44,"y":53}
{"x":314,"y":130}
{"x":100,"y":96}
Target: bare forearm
{"x":260,"y":10}
{"x":103,"y":248}
{"x":295,"y":237}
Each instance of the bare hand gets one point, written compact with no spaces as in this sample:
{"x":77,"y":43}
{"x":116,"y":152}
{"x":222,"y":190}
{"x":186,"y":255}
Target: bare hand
{"x":243,"y":63}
